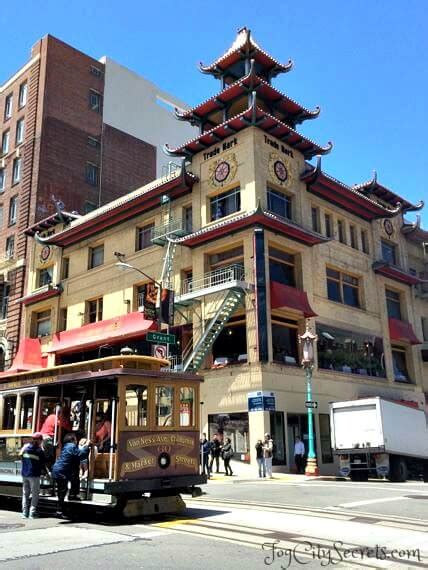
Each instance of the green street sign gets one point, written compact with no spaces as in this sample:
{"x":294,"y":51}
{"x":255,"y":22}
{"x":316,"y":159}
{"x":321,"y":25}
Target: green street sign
{"x":161,"y":338}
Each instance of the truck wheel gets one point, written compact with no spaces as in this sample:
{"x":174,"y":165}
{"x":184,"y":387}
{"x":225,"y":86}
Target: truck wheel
{"x":362,"y":475}
{"x":399,"y":472}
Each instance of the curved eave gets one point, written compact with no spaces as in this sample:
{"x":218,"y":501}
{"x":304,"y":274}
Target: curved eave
{"x":395,"y":273}
{"x":416,"y":234}
{"x":219,"y":67}
{"x":51,"y":221}
{"x":124,"y":210}
{"x":38,"y":296}
{"x":257,"y":217}
{"x":253,"y":116}
{"x":373,"y":187}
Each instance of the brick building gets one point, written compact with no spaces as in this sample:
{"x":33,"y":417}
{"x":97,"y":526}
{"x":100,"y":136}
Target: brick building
{"x":65,"y":137}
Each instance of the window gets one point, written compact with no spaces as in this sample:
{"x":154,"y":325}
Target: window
{"x":44,"y":276}
{"x":136,"y":410}
{"x":42,"y":323}
{"x":347,"y":351}
{"x":328,"y":226}
{"x":424,"y":323}
{"x":9,"y":412}
{"x":8,"y":106}
{"x":234,"y":256}
{"x":144,"y":237}
{"x":164,"y":400}
{"x":187,"y":219}
{"x":225,"y":204}
{"x":65,"y":268}
{"x":1,"y":215}
{"x":341,"y":231}
{"x":400,"y":365}
{"x":187,"y":406}
{"x":353,"y":234}
{"x":26,"y":413}
{"x":282,"y":267}
{"x":343,"y":288}
{"x":92,"y":174}
{"x":94,"y":310}
{"x":16,"y":171}
{"x":10,"y":247}
{"x":95,"y":101}
{"x":96,"y":71}
{"x":22,"y":97}
{"x":13,"y":210}
{"x":389,"y":252}
{"x":315,"y":213}
{"x":4,"y":300}
{"x":279,"y":203}
{"x":2,"y":179}
{"x":93,"y":141}
{"x":62,"y":319}
{"x":19,"y":138}
{"x":364,"y":241}
{"x":186,"y":281}
{"x":325,"y":438}
{"x":5,"y":142}
{"x":284,"y":341}
{"x":393,"y":304}
{"x":96,"y":256}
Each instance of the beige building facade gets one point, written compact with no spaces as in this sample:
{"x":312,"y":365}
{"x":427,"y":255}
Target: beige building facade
{"x":254,"y":240}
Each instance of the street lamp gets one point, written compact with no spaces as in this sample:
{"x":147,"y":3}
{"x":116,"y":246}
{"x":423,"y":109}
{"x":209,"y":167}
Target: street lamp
{"x":307,"y":339}
{"x":123,"y":266}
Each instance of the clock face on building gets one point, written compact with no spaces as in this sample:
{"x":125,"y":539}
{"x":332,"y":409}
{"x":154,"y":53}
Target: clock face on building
{"x":222,"y":171}
{"x":45,"y":253}
{"x":280,"y":170}
{"x":389,"y":228}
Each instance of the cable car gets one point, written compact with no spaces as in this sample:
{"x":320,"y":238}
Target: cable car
{"x":144,"y":422}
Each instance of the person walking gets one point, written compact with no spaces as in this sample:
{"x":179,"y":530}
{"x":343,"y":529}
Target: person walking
{"x":215,"y":453}
{"x":227,"y":454}
{"x":205,"y":448}
{"x":260,"y":458}
{"x":33,"y":462}
{"x":268,"y":454}
{"x":299,"y":455}
{"x":66,"y":469}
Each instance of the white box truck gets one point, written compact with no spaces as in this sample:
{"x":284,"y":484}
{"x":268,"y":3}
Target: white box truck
{"x":375,"y":436}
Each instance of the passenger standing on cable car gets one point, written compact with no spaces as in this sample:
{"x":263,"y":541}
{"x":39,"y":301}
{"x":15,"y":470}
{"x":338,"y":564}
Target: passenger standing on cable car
{"x":66,"y":469}
{"x":62,"y":420}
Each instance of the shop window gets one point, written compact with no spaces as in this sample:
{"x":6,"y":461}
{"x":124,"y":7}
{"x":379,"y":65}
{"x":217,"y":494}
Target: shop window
{"x":9,"y":412}
{"x":346,"y":351}
{"x":315,"y":213}
{"x":393,"y":304}
{"x":341,"y":231}
{"x":26,"y":412}
{"x":164,"y":401}
{"x":232,"y":425}
{"x":353,"y":235}
{"x":94,"y":310}
{"x":399,"y":362}
{"x":328,"y":225}
{"x":364,"y":241}
{"x":144,"y":237}
{"x":96,"y":256}
{"x":230,"y":347}
{"x":42,"y":323}
{"x":325,"y":438}
{"x":343,"y":288}
{"x":389,"y":252}
{"x":187,"y":406}
{"x":279,"y":203}
{"x":282,"y":267}
{"x":225,"y":204}
{"x":44,"y":276}
{"x":284,"y":341}
{"x":136,"y":414}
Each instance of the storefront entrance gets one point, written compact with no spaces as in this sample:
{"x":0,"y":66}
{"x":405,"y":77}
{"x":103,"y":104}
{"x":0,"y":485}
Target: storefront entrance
{"x":297,"y":425}
{"x":235,"y":426}
{"x":277,"y":433}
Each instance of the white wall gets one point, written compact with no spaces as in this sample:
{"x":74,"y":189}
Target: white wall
{"x":131,"y":105}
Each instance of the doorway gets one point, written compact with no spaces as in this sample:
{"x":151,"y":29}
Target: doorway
{"x":277,"y":433}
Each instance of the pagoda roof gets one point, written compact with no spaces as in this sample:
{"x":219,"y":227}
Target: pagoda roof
{"x":293,"y":111}
{"x":245,"y":47}
{"x":383,"y":193}
{"x":414,"y":232}
{"x":124,"y":208}
{"x":253,"y":116}
{"x":51,"y":221}
{"x":344,"y":196}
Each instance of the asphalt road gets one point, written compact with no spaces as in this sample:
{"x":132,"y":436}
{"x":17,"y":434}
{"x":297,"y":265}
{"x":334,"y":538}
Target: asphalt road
{"x":245,"y":524}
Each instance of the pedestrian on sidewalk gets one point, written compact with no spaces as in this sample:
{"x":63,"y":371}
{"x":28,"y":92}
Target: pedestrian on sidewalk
{"x":227,"y":454}
{"x":215,"y":453}
{"x":268,"y":454}
{"x":205,"y":448}
{"x":299,"y":455}
{"x":260,"y":458}
{"x":33,"y":462}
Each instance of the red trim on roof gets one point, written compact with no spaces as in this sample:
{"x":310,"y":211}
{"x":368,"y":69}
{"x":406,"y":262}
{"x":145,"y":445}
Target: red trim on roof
{"x":395,"y":273}
{"x":28,"y":357}
{"x":291,"y":298}
{"x":402,"y":331}
{"x":37,"y":296}
{"x":132,"y":325}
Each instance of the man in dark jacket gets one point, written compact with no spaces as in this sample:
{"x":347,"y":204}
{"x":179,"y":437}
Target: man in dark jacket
{"x":66,"y":469}
{"x":33,"y":461}
{"x":215,"y":453}
{"x":205,"y":448}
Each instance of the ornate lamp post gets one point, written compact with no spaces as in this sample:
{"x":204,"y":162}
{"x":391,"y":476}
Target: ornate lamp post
{"x":307,"y":339}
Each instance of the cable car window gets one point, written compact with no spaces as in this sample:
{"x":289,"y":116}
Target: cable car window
{"x":187,"y":406}
{"x":164,"y":406}
{"x":136,"y":405}
{"x":9,"y":412}
{"x":27,"y":411}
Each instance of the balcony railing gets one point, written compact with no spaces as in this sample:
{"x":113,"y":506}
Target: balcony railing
{"x":221,"y":276}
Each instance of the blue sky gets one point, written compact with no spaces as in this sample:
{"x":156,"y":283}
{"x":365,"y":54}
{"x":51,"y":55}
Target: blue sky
{"x":363,"y":62}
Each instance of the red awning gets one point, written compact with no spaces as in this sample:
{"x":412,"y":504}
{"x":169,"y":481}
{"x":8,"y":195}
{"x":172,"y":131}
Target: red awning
{"x":286,"y":296}
{"x":28,"y":357}
{"x":402,"y":331}
{"x":128,"y":326}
